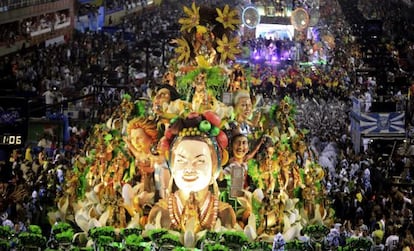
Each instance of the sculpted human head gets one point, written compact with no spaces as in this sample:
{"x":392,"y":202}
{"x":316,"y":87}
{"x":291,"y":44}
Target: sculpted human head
{"x":195,"y":150}
{"x":242,"y":105}
{"x":192,"y":164}
{"x":142,"y":133}
{"x":164,"y":95}
{"x":240,"y":146}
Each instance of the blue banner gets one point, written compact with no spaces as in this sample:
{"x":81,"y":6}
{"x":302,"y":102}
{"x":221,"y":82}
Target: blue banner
{"x":374,"y":123}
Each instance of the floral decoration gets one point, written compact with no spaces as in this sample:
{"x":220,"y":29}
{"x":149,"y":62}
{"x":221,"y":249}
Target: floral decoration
{"x":183,"y":50}
{"x":192,"y":19}
{"x":228,"y":18}
{"x":228,"y":49}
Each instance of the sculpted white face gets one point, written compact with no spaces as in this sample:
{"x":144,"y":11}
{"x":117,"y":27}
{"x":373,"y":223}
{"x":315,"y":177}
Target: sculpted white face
{"x":243,"y":108}
{"x":192,"y":165}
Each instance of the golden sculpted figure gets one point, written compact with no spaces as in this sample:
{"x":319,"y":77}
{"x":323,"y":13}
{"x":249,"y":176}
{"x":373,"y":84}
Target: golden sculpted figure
{"x":268,"y":168}
{"x":142,"y":135}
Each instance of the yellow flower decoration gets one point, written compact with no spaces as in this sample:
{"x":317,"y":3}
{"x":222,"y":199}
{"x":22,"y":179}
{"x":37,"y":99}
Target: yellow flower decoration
{"x":228,"y":49}
{"x":183,"y":49}
{"x":202,"y":62}
{"x":201,"y":29}
{"x":228,"y":18}
{"x":192,"y":19}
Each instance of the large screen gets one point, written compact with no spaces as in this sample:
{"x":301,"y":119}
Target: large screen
{"x":275,"y":31}
{"x":13,"y":121}
{"x":13,"y":131}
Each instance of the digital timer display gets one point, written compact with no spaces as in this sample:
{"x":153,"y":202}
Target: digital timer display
{"x":11,"y":139}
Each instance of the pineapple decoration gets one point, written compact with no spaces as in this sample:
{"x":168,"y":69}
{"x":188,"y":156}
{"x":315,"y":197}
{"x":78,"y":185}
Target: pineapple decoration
{"x":209,"y":36}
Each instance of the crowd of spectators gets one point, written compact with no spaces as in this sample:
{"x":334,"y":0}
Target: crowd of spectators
{"x":7,"y":5}
{"x":24,"y":30}
{"x":370,"y":191}
{"x":94,"y":59}
{"x":9,"y":33}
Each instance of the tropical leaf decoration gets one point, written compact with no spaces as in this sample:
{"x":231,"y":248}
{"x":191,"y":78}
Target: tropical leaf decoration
{"x":212,"y":236}
{"x":183,"y":49}
{"x":4,"y":244}
{"x":27,"y":238}
{"x":215,"y":80}
{"x":108,"y":138}
{"x":140,"y":108}
{"x":35,"y":229}
{"x":234,"y":237}
{"x":130,"y":231}
{"x":192,"y":19}
{"x":5,"y":232}
{"x":32,"y":237}
{"x":127,"y":97}
{"x":272,"y":112}
{"x":95,"y":232}
{"x":82,"y":184}
{"x":65,"y":236}
{"x":358,"y":243}
{"x":170,"y":239}
{"x":228,"y":18}
{"x":259,"y":245}
{"x":133,"y":240}
{"x":156,"y":234}
{"x":253,"y":171}
{"x":61,"y":227}
{"x":296,"y":245}
{"x":316,"y":229}
{"x":216,"y":247}
{"x":103,"y":240}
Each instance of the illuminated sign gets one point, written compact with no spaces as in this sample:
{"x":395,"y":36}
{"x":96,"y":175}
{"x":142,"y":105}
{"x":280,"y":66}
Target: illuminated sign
{"x":13,"y":121}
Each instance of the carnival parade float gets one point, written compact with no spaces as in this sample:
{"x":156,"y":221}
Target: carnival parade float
{"x":199,"y":166}
{"x":191,"y":171}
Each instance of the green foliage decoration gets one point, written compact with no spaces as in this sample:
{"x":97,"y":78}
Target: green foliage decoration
{"x":258,"y":245}
{"x":316,"y":229}
{"x":296,"y":245}
{"x":234,"y":238}
{"x":31,"y":239}
{"x":65,"y":236}
{"x":5,"y":232}
{"x":215,"y":80}
{"x":96,"y":232}
{"x":35,"y":229}
{"x":133,"y":240}
{"x":104,"y":240}
{"x":61,"y":227}
{"x":125,"y":232}
{"x":4,"y":244}
{"x":358,"y":243}
{"x":156,"y":234}
{"x":170,"y":239}
{"x":216,"y":247}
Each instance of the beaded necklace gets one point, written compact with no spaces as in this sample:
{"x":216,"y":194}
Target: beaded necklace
{"x":207,"y":215}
